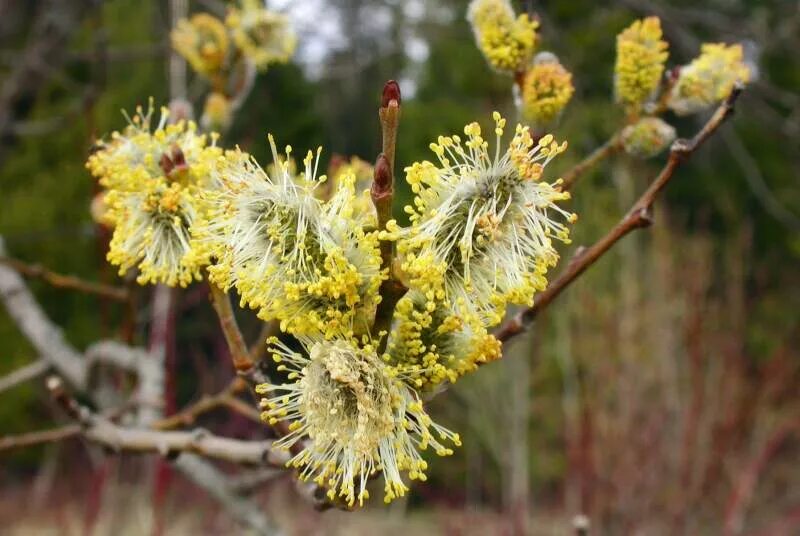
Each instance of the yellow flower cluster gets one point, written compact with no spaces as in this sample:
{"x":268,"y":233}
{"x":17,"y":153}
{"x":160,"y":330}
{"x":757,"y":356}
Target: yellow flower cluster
{"x":641,"y":55}
{"x":482,"y":226}
{"x":203,"y":41}
{"x":709,"y":78}
{"x":354,"y":416}
{"x":507,"y":41}
{"x":546,"y":90}
{"x":228,"y":53}
{"x":305,"y":262}
{"x":647,"y":137}
{"x":153,"y":175}
{"x":432,"y":344}
{"x":262,"y":36}
{"x":342,"y":170}
{"x":481,"y":237}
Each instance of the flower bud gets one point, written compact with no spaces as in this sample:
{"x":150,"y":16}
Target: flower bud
{"x":647,"y":137}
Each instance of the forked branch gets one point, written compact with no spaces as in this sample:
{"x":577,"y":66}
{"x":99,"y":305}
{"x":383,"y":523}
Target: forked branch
{"x":637,"y":217}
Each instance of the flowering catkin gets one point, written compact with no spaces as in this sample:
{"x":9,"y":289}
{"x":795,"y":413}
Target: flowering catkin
{"x":546,"y":90}
{"x":154,"y":175}
{"x":709,"y":78}
{"x":647,"y":137}
{"x":354,"y":415}
{"x":203,"y":41}
{"x":305,"y":262}
{"x":261,"y":35}
{"x":641,"y":55}
{"x":507,"y":41}
{"x":483,"y":226}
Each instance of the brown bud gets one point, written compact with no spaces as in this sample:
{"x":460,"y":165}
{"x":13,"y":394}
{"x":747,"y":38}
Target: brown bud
{"x":165,"y":163}
{"x":391,"y":92}
{"x":178,"y":158}
{"x":382,"y":178}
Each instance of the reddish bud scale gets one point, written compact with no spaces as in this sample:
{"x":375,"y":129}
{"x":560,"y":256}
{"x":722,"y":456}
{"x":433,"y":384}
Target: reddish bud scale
{"x":391,"y":92}
{"x":382,"y":178}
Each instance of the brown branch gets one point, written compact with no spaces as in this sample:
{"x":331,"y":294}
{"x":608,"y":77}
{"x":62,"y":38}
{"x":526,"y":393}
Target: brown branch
{"x":382,"y":193}
{"x":637,"y":217}
{"x":66,"y":281}
{"x":102,"y":431}
{"x":40,"y":436}
{"x":611,"y":146}
{"x":206,"y":403}
{"x":240,"y":355}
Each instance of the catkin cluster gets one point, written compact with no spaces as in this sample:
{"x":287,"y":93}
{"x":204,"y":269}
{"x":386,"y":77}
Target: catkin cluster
{"x":306,"y":252}
{"x":508,"y":42}
{"x":227,"y":53}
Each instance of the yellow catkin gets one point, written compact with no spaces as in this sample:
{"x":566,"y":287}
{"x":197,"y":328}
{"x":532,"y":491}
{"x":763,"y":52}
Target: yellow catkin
{"x":153,"y":176}
{"x":709,"y":78}
{"x":506,"y":40}
{"x":261,"y":35}
{"x":203,"y":41}
{"x":353,"y":416}
{"x":641,"y":55}
{"x":546,"y":90}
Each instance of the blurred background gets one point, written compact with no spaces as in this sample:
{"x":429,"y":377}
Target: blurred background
{"x":659,"y":395}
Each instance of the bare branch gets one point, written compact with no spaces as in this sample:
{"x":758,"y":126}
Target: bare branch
{"x":102,"y":431}
{"x":45,"y":337}
{"x":637,"y":217}
{"x":611,"y":146}
{"x":189,"y":414}
{"x":382,"y":193}
{"x":37,"y":438}
{"x":66,"y":281}
{"x":24,"y":374}
{"x":216,"y":483}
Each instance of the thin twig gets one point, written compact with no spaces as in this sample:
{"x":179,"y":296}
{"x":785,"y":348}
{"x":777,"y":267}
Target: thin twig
{"x":66,"y":281}
{"x":382,"y":193}
{"x":102,"y":431}
{"x":240,"y":355}
{"x":637,"y":217}
{"x":206,"y":403}
{"x":31,"y":439}
{"x":611,"y":146}
{"x":23,"y":374}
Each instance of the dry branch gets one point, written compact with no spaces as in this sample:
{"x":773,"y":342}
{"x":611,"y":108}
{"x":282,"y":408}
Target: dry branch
{"x":23,"y":374}
{"x":637,"y":217}
{"x":66,"y":281}
{"x":45,"y":337}
{"x":102,"y":431}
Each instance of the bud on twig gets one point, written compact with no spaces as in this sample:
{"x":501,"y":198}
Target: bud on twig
{"x":382,"y":179}
{"x":391,"y":92}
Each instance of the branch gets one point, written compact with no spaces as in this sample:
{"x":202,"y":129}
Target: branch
{"x":36,"y":438}
{"x":24,"y":374}
{"x":611,"y":146}
{"x":66,"y":281}
{"x":217,"y":484}
{"x":242,"y":362}
{"x":45,"y":337}
{"x":206,"y":403}
{"x":382,"y":193}
{"x":637,"y":217}
{"x":102,"y":431}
